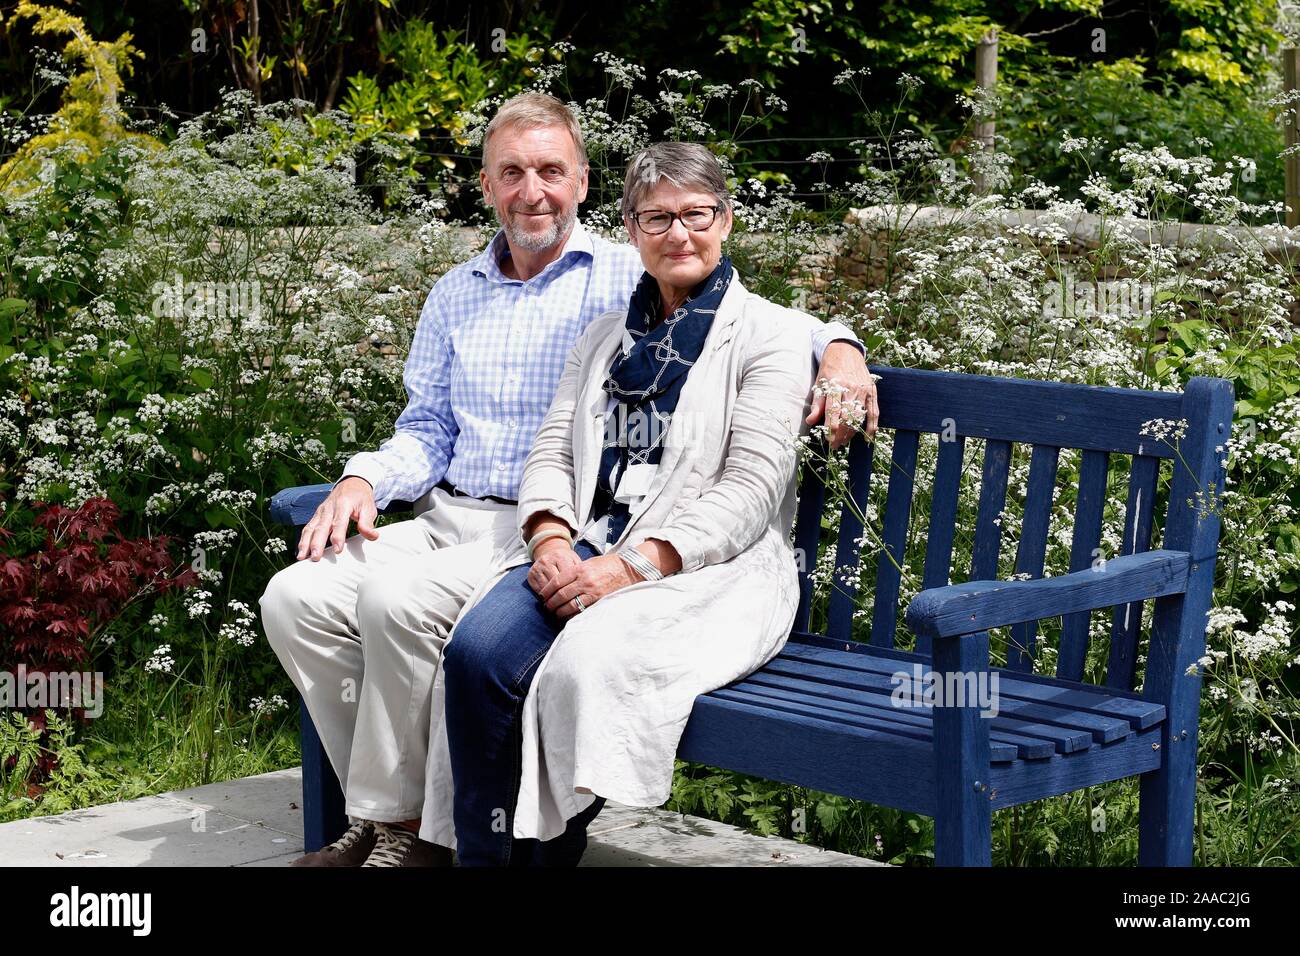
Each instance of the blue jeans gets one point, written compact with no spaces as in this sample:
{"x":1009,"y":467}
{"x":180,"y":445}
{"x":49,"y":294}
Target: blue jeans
{"x":488,"y":667}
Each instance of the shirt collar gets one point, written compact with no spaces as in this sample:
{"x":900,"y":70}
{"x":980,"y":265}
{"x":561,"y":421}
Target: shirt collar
{"x":488,"y":262}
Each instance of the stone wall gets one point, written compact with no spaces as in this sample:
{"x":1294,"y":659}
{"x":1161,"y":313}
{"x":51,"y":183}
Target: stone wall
{"x":874,"y":228}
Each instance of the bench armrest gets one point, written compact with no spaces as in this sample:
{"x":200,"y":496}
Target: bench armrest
{"x":294,"y":507}
{"x":975,"y":606}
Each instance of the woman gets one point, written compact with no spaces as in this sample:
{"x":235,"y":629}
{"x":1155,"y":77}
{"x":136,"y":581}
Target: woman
{"x":655,"y":562}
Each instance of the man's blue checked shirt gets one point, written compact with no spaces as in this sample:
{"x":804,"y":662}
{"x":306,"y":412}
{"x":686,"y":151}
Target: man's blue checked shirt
{"x":487,"y":357}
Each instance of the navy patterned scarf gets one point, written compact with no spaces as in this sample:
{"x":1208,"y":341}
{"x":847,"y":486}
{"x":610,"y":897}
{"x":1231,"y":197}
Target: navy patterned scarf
{"x":646,"y":379}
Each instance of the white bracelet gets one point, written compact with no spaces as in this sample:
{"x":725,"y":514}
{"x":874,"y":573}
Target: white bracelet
{"x":642,"y":565}
{"x":541,"y":536}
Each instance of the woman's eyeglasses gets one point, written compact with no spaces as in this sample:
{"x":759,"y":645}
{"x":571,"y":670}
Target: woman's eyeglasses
{"x":654,"y":222}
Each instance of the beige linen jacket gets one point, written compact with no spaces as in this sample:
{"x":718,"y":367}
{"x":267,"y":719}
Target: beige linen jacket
{"x":608,"y":703}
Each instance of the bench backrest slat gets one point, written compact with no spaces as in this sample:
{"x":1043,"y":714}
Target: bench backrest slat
{"x":807,"y":532}
{"x":943,"y":513}
{"x":898,"y":508}
{"x":1024,"y":411}
{"x":1139,"y":520}
{"x":993,"y":498}
{"x":844,"y":583}
{"x":942,"y":529}
{"x":1032,"y":549}
{"x":1049,"y":417}
{"x":1089,"y":508}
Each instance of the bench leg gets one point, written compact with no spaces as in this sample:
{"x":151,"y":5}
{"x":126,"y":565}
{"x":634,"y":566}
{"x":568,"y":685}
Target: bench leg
{"x":1167,"y":811}
{"x":323,"y":819}
{"x":963,"y":823}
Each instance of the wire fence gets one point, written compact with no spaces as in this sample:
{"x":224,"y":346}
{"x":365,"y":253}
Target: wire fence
{"x":748,"y":158}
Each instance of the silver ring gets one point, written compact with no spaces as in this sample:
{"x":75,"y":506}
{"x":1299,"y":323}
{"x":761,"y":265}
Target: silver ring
{"x":578,"y":601}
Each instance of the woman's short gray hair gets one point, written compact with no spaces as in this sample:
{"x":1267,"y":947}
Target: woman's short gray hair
{"x":685,"y":165}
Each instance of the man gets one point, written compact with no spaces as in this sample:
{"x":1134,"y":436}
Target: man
{"x":360,"y":630}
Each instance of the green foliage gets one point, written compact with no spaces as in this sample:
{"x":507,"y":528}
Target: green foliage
{"x":1115,"y":104}
{"x":1229,"y":42}
{"x":808,"y":816}
{"x":1221,"y":41}
{"x":771,"y":37}
{"x":188,"y":330}
{"x":90,"y":116}
{"x":150,"y":738}
{"x":426,"y":81}
{"x":79,"y":214}
{"x":74,"y":781}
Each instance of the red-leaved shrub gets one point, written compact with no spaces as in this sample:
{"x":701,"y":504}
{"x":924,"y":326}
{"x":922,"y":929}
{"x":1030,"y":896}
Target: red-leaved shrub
{"x":79,"y":577}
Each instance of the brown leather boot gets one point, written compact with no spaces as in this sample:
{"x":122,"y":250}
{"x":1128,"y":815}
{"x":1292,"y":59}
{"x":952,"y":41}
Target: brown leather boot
{"x":351,"y":849}
{"x":397,"y":846}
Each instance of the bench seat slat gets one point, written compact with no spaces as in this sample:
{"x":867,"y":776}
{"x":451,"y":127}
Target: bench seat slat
{"x":1021,"y":781}
{"x":811,"y":706}
{"x":1103,"y":702}
{"x":873,"y":765}
{"x":1067,"y":738}
{"x":880,"y":766}
{"x":877,"y":690}
{"x":779,"y":685}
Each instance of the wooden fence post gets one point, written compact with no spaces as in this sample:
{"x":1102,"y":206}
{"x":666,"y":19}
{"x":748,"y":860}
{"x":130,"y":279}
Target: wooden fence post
{"x":1290,"y":76}
{"x":986,"y":78}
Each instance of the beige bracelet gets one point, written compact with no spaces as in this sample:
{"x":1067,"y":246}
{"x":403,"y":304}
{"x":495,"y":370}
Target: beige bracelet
{"x":541,"y":536}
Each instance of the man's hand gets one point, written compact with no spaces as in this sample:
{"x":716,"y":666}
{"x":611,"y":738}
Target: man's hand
{"x":351,"y":500}
{"x":594,"y":578}
{"x":845,"y":394}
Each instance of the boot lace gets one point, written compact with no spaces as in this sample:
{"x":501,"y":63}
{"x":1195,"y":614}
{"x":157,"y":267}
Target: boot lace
{"x":392,"y":844}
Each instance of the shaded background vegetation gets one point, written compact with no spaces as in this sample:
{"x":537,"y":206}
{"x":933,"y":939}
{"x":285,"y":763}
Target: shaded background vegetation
{"x":1127,"y":70}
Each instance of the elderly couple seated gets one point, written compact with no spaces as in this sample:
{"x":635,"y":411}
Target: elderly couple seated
{"x":601,"y":441}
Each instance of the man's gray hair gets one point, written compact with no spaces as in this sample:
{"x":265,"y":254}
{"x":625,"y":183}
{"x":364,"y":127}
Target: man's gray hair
{"x":685,"y":165}
{"x":533,"y":110}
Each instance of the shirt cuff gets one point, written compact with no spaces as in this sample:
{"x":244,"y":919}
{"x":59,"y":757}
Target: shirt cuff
{"x":834,"y":332}
{"x":363,"y":466}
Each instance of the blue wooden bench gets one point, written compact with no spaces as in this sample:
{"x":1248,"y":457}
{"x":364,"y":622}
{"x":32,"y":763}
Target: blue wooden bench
{"x":823,"y":714}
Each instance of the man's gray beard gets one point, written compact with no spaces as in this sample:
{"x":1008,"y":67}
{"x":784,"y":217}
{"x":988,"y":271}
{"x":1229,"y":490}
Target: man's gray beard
{"x":536,"y":243}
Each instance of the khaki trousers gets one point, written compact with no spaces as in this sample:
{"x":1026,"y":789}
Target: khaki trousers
{"x":361,"y":635}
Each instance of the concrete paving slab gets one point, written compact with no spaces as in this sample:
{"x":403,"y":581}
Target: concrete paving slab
{"x":151,"y":831}
{"x":257,"y":821}
{"x":634,"y":836}
{"x":271,"y":799}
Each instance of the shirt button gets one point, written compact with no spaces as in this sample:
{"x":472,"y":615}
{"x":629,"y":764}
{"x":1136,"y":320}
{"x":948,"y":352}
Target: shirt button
{"x":512,"y":423}
{"x":501,"y":467}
